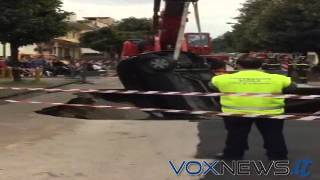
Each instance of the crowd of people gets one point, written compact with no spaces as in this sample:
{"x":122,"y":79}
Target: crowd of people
{"x":52,"y":67}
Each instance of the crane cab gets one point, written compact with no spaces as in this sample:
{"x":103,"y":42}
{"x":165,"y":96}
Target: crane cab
{"x":197,"y":43}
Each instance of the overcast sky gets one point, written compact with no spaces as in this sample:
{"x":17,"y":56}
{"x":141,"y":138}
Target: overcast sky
{"x":214,"y":13}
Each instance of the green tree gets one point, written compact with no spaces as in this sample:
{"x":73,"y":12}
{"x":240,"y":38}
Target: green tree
{"x":26,"y":22}
{"x":223,"y":43}
{"x":103,"y":40}
{"x":278,"y":25}
{"x":246,"y":32}
{"x":110,"y":39}
{"x":135,"y":25}
{"x":292,"y":25}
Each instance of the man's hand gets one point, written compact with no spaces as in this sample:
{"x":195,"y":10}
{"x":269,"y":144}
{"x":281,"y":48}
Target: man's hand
{"x":290,"y":89}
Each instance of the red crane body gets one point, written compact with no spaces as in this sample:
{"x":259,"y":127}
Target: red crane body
{"x":167,"y":24}
{"x":170,"y":61}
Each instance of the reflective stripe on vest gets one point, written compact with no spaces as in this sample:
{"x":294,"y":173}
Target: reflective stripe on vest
{"x":253,"y":108}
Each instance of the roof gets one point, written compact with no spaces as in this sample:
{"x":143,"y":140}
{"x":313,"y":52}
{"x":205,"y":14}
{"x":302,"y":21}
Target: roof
{"x":97,"y":17}
{"x":79,"y":25}
{"x":67,"y":41}
{"x":89,"y":51}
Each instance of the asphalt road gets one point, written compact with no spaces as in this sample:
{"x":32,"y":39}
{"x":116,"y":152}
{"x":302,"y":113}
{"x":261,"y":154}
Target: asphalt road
{"x":39,"y":147}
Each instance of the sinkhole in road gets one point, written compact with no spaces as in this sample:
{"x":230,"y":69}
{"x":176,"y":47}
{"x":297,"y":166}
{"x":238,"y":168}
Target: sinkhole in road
{"x":92,"y":113}
{"x":104,"y":113}
{"x":293,"y":106}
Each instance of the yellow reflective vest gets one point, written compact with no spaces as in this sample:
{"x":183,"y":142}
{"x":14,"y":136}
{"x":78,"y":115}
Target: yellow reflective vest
{"x":251,"y":81}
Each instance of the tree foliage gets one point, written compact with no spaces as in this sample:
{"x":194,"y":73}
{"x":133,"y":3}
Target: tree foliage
{"x":278,"y":25}
{"x":110,"y":39}
{"x":223,"y":43}
{"x":26,"y":22}
{"x":135,"y":24}
{"x":103,"y":40}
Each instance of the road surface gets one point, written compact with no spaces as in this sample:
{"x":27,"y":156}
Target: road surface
{"x":40,"y":147}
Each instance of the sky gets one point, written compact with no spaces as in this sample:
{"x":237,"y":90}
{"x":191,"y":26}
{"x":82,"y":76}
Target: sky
{"x":215,"y":14}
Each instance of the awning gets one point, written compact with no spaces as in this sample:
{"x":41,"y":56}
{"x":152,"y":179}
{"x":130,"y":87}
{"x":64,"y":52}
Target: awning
{"x":89,"y":51}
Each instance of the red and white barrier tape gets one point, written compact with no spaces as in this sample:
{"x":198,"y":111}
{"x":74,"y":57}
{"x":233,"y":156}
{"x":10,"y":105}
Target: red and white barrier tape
{"x":284,"y":96}
{"x":297,"y":117}
{"x":32,"y":70}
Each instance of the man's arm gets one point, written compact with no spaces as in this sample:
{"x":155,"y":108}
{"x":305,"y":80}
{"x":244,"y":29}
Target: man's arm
{"x":292,"y":88}
{"x":212,"y":87}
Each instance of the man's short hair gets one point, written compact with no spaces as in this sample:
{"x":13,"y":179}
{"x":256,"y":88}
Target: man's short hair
{"x":248,"y":62}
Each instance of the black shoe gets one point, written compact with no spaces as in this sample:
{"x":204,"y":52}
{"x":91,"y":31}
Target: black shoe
{"x":222,"y":156}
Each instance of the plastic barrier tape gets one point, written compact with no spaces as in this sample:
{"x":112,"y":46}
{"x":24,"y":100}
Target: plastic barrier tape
{"x":284,"y":96}
{"x":297,"y":117}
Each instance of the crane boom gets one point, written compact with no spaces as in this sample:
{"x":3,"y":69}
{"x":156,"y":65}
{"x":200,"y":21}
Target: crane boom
{"x":168,"y":23}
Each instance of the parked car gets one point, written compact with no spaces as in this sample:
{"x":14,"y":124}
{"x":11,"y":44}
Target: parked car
{"x":60,"y":68}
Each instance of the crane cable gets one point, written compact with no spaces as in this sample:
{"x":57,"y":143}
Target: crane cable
{"x":183,"y":26}
{"x":180,"y":38}
{"x":198,"y":22}
{"x":197,"y":16}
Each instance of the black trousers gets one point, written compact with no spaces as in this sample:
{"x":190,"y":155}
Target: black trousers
{"x":271,"y":130}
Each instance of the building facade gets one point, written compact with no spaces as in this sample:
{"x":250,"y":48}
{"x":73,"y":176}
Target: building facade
{"x":66,"y":47}
{"x":5,"y":50}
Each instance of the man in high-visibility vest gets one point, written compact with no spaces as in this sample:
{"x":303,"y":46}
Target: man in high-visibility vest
{"x":251,"y":79}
